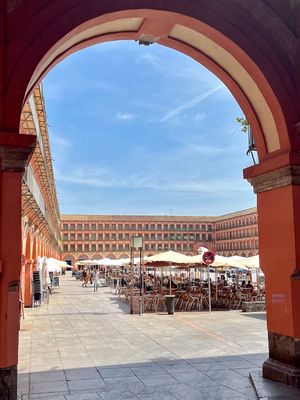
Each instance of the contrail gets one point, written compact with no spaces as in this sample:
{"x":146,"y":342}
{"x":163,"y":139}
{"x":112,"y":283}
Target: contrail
{"x":191,"y":103}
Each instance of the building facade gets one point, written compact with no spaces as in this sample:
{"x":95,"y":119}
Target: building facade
{"x":237,"y":234}
{"x":41,"y":233}
{"x":99,"y":236}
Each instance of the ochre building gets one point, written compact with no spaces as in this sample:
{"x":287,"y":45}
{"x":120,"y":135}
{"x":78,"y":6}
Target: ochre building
{"x":99,"y":236}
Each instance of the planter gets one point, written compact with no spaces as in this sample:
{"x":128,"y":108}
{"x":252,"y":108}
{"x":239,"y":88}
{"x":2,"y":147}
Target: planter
{"x":170,"y":303}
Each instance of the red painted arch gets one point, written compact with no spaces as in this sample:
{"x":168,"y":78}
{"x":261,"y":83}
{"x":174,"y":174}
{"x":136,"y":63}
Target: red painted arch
{"x":49,"y":26}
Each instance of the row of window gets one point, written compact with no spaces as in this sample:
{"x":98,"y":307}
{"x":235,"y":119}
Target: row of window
{"x":237,"y":234}
{"x":238,"y":245}
{"x":146,"y":236}
{"x":236,"y":223}
{"x":125,"y":247}
{"x":135,"y":227}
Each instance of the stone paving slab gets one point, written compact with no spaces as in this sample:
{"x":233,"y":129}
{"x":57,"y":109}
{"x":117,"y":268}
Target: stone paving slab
{"x":86,"y":346}
{"x":269,"y":390}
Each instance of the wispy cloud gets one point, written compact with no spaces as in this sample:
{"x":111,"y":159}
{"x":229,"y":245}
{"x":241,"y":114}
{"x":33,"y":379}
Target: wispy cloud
{"x":59,"y":141}
{"x":191,"y":103}
{"x":125,"y":116}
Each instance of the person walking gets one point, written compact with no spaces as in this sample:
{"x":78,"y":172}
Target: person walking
{"x":96,"y":281}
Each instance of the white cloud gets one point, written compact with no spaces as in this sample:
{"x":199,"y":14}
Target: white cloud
{"x":190,"y":103}
{"x":59,"y":141}
{"x":199,"y":116}
{"x":125,"y":116}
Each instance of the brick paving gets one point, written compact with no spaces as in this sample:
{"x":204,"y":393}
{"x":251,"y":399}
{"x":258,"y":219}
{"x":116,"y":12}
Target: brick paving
{"x":84,"y":345}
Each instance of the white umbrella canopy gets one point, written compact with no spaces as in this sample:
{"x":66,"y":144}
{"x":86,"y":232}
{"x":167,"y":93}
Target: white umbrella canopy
{"x":168,"y":258}
{"x":252,"y":262}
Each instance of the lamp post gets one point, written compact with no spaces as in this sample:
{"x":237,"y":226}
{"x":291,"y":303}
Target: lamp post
{"x":137,"y":244}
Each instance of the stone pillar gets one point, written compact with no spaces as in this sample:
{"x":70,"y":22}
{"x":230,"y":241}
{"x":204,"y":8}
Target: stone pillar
{"x":15,"y":151}
{"x":28,"y":283}
{"x":278,"y":206}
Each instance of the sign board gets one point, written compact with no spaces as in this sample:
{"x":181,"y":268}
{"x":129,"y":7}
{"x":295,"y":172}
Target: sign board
{"x":208,"y":257}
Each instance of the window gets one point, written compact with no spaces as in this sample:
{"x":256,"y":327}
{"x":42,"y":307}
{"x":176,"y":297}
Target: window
{"x":106,"y":227}
{"x":72,"y":227}
{"x":79,"y":227}
{"x":152,"y":227}
{"x":166,"y":236}
{"x":191,"y":247}
{"x":140,"y":227}
{"x":126,"y":246}
{"x":100,"y":236}
{"x":113,"y":236}
{"x":172,"y":236}
{"x":93,"y":247}
{"x":66,"y":236}
{"x":107,"y":247}
{"x":79,"y":247}
{"x":65,"y":247}
{"x":172,"y":227}
{"x":178,"y":236}
{"x":93,"y":227}
{"x":172,"y":246}
{"x":133,"y":227}
{"x":152,"y":236}
{"x":203,"y":227}
{"x":209,"y":236}
{"x":166,"y":247}
{"x":159,"y":236}
{"x":192,"y":237}
{"x":153,"y":246}
{"x":146,"y":236}
{"x":185,"y":247}
{"x":114,"y":247}
{"x":120,"y":236}
{"x":178,"y":246}
{"x":166,"y":227}
{"x":184,"y":227}
{"x":100,"y":247}
{"x":203,"y":236}
{"x":185,"y":236}
{"x":86,"y":247}
{"x":113,"y":227}
{"x":191,"y":227}
{"x":146,"y":227}
{"x":65,"y":227}
{"x":126,"y":227}
{"x":100,"y":227}
{"x":146,"y":246}
{"x":79,"y":236}
{"x":120,"y":247}
{"x":86,"y":227}
{"x":197,"y":237}
{"x":197,"y":227}
{"x":178,"y":227}
{"x":72,"y":247}
{"x":120,"y":227}
{"x":107,"y":236}
{"x":126,"y":236}
{"x":86,"y":236}
{"x":159,"y":227}
{"x":159,"y":246}
{"x":72,"y":236}
{"x":93,"y":236}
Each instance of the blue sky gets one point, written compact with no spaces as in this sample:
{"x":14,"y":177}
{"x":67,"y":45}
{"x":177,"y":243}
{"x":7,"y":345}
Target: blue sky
{"x":144,"y":130}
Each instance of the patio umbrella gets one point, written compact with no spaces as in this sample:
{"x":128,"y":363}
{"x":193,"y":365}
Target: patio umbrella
{"x":167,"y":259}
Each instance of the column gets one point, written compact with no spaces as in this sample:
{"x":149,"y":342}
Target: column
{"x":15,"y":151}
{"x":28,"y":283}
{"x":278,"y":206}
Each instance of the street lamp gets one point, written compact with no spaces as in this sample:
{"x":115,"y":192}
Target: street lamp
{"x":137,"y":244}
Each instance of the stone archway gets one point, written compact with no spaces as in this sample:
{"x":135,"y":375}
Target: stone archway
{"x":250,"y":48}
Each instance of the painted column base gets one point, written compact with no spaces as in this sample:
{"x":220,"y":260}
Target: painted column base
{"x":8,"y":383}
{"x":283,"y":365}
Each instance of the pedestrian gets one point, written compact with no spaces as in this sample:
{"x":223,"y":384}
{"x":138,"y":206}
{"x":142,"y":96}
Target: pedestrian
{"x":96,"y":281}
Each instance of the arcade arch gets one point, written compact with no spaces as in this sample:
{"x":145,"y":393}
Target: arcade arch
{"x":252,"y":50}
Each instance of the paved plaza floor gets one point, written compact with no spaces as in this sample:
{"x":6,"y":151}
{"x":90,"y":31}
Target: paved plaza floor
{"x":84,"y":345}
